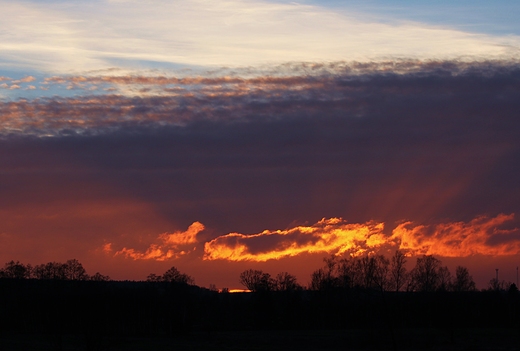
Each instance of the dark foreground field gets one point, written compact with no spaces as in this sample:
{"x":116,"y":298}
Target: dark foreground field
{"x":356,"y":339}
{"x":91,"y":316}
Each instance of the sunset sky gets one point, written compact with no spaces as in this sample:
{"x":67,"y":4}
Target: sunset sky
{"x":218,"y":136}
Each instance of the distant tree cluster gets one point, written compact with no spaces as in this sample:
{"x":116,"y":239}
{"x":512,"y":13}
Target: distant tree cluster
{"x":73,"y":270}
{"x":256,"y":280}
{"x":172,"y":275}
{"x":381,"y":273}
{"x":70,"y":270}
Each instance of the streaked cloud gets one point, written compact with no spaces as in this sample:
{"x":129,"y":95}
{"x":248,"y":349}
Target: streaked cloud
{"x":81,"y":36}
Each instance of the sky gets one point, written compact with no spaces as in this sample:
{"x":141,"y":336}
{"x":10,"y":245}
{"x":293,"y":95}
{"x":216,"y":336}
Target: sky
{"x":221,"y":136}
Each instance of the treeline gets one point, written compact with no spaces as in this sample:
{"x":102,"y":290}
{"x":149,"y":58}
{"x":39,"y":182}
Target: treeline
{"x":70,"y":270}
{"x":73,"y":270}
{"x":376,"y":273}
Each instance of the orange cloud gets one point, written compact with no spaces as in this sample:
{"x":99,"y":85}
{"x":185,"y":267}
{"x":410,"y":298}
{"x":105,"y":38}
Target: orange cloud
{"x":481,"y":235}
{"x":332,"y":235}
{"x":170,"y":246}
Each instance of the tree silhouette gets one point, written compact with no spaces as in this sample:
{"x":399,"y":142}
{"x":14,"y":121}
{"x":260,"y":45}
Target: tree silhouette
{"x":172,"y":275}
{"x":380,"y":272}
{"x":463,"y":281}
{"x":321,"y":280}
{"x":15,"y":270}
{"x":98,"y":277}
{"x":74,"y":270}
{"x":152,"y":277}
{"x":327,"y":278}
{"x":256,"y":280}
{"x":398,"y":273}
{"x":50,"y":270}
{"x":425,"y":275}
{"x":286,"y":282}
{"x":70,"y":270}
{"x":444,"y":279}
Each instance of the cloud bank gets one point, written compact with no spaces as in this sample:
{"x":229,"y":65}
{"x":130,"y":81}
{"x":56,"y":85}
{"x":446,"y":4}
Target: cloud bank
{"x":354,"y":90}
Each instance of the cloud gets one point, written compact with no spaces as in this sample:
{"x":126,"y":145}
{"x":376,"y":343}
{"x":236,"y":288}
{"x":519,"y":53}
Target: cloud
{"x":243,"y":150}
{"x":26,"y":79}
{"x":336,"y":236}
{"x":102,"y":34}
{"x":332,"y":235}
{"x":170,"y":246}
{"x":352,"y":90}
{"x":480,"y":236}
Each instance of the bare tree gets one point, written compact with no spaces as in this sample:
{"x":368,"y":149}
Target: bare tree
{"x":327,"y":277}
{"x":74,"y":270}
{"x":50,"y":270}
{"x":98,"y":277}
{"x":463,"y":281}
{"x":398,"y":273}
{"x":381,"y":272}
{"x":444,"y":279}
{"x":367,"y":269}
{"x":152,"y":277}
{"x":256,"y":280}
{"x":425,"y":275}
{"x":319,"y":280}
{"x":286,"y":282}
{"x":173,"y":275}
{"x":15,"y":270}
{"x":349,"y":274}
{"x":368,"y":272}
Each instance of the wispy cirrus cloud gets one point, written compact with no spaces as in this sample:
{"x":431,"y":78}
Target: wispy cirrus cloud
{"x":101,"y":34}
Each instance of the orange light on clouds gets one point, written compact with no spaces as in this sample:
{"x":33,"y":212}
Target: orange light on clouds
{"x":481,"y":235}
{"x":332,"y":235}
{"x":170,"y":246}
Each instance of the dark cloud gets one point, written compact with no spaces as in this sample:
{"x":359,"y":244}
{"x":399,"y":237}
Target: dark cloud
{"x":426,"y":142}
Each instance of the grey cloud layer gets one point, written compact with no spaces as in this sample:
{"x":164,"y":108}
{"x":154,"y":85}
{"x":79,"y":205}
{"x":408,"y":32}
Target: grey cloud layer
{"x":436,"y":142}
